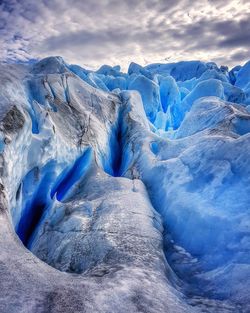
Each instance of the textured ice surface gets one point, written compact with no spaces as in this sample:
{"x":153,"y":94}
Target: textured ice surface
{"x":130,"y":190}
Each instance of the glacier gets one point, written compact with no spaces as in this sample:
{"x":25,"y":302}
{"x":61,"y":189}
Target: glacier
{"x":124,"y":192}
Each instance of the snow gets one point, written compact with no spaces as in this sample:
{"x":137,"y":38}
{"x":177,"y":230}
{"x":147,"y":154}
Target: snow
{"x":134,"y":199}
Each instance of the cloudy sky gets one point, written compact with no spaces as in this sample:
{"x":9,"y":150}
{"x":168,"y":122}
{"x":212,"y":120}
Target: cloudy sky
{"x":94,"y":32}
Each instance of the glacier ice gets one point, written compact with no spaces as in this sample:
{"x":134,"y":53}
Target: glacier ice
{"x":134,"y":187}
{"x":180,"y":71}
{"x":150,"y":95}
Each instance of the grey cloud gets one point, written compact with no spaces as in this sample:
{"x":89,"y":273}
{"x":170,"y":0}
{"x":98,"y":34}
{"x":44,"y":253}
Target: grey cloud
{"x":242,"y":40}
{"x":237,"y":34}
{"x":214,"y":34}
{"x":240,"y":55}
{"x":114,"y":36}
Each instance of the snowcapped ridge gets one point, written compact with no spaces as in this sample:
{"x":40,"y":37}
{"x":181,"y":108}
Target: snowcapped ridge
{"x":106,"y":174}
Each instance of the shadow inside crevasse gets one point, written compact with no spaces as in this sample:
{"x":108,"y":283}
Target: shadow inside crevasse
{"x":38,"y":190}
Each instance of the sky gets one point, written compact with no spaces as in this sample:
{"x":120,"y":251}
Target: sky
{"x":95,"y":32}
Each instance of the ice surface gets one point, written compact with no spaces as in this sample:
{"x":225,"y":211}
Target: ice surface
{"x":109,"y":70}
{"x":137,"y":69}
{"x":180,"y":71}
{"x":137,"y":198}
{"x":150,"y":93}
{"x":242,"y":77}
